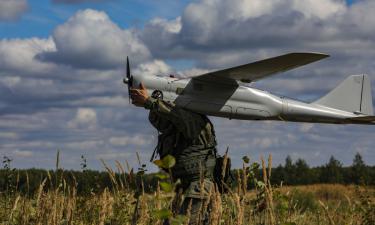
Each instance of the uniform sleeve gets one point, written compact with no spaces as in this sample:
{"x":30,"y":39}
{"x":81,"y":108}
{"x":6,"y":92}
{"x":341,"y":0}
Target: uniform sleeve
{"x":189,"y":123}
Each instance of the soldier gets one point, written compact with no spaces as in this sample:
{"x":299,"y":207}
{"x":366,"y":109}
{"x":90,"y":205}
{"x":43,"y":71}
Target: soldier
{"x":190,"y":138}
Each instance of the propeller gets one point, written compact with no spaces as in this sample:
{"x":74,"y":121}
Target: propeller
{"x":129,"y":78}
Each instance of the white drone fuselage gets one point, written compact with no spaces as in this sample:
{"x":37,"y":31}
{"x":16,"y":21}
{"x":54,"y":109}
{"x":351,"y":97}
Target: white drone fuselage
{"x":245,"y":103}
{"x":222,"y":93}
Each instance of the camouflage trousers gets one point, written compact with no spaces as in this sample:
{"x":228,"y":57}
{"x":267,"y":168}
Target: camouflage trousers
{"x":193,"y":194}
{"x":197,"y":210}
{"x":193,"y":201}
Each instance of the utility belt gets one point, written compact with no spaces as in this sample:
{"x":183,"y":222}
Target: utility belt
{"x":194,"y":163}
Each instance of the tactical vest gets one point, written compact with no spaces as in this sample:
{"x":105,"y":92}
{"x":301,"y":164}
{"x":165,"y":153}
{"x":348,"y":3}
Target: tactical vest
{"x":195,"y":157}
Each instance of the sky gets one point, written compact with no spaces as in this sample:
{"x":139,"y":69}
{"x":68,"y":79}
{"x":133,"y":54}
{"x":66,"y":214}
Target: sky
{"x":62,"y":62}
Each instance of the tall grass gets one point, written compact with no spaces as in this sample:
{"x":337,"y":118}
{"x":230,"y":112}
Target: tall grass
{"x":265,"y":203}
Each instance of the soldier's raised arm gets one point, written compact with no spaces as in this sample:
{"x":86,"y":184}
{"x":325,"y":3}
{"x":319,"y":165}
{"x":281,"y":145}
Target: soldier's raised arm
{"x":190,"y":124}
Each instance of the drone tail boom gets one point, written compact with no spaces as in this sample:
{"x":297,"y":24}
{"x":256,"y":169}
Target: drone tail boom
{"x":352,"y":95}
{"x":363,"y":120}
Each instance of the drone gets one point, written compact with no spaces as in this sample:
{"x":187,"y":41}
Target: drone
{"x":225,"y":93}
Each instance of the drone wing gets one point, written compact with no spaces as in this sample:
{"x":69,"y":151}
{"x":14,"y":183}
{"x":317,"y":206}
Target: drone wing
{"x":261,"y":69}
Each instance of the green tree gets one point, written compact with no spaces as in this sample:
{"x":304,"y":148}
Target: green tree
{"x":302,"y":172}
{"x":278,"y":175}
{"x":332,"y":172}
{"x":359,"y":171}
{"x":372,"y":175}
{"x":289,"y":171}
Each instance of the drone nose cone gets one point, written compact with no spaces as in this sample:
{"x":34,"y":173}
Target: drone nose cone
{"x":126,"y":80}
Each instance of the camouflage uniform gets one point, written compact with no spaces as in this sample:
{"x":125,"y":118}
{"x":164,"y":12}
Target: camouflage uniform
{"x":190,"y":138}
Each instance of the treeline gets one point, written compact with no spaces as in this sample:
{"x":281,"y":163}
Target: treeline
{"x":88,"y":182}
{"x":300,"y":173}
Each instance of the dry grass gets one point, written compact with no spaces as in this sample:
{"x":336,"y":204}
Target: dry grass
{"x":313,"y":204}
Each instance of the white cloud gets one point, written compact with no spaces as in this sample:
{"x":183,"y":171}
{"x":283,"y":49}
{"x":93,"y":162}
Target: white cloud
{"x":12,"y":9}
{"x":85,"y":119}
{"x":192,"y":72}
{"x":18,"y":55}
{"x":8,"y":135}
{"x":114,"y":155}
{"x":132,"y":140}
{"x":24,"y":154}
{"x":90,"y":39}
{"x":319,"y":8}
{"x":112,"y":101}
{"x":264,"y":143}
{"x":246,"y":9}
{"x":223,"y":33}
{"x":171,"y":26}
{"x":156,"y":67}
{"x":362,"y":20}
{"x":29,"y":145}
{"x":85,"y":145}
{"x":306,"y":127}
{"x":210,"y":19}
{"x":10,"y":81}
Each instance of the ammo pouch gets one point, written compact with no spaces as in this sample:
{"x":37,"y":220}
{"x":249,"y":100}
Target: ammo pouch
{"x":222,"y":175}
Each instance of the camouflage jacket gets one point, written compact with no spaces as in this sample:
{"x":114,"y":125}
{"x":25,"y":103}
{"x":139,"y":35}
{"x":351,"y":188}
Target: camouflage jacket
{"x":188,"y":136}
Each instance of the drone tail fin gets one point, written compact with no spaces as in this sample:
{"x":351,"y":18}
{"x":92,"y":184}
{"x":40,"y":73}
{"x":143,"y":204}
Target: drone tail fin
{"x":352,"y":95}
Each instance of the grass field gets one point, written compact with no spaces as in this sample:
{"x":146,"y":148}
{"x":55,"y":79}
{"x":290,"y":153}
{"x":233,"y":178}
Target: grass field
{"x":264,"y":204}
{"x":315,"y":204}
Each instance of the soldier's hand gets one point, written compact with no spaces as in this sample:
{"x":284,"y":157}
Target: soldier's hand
{"x":139,"y":95}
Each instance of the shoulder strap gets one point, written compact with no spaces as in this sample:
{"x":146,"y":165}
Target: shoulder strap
{"x":207,"y":120}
